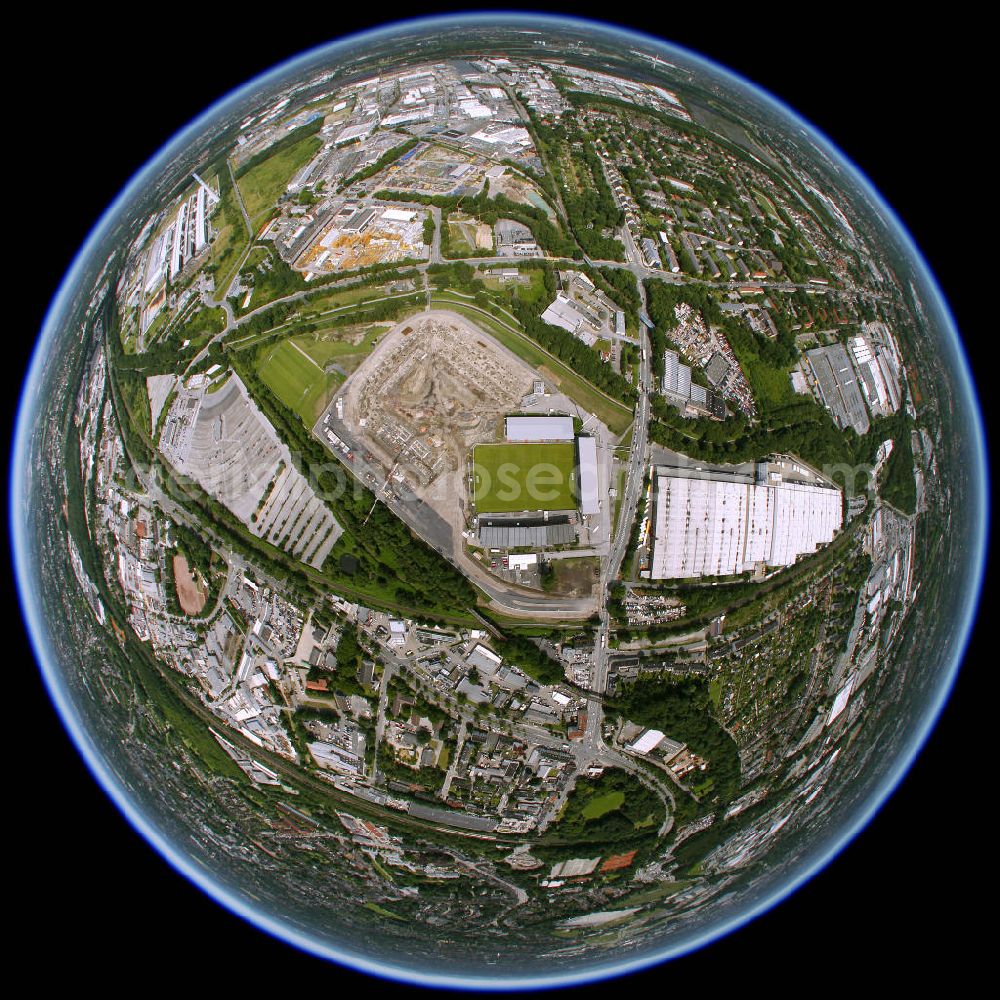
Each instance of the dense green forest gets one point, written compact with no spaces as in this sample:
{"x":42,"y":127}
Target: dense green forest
{"x":681,"y":708}
{"x":613,"y":809}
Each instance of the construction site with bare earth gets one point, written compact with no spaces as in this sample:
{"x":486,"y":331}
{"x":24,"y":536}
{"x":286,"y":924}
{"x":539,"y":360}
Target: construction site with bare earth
{"x":433,"y":387}
{"x":360,"y":236}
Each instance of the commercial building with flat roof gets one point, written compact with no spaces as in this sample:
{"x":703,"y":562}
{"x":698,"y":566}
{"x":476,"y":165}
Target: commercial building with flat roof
{"x":562,"y":312}
{"x":523,"y":561}
{"x":589,"y":499}
{"x":360,"y":221}
{"x":517,"y":537}
{"x":398,"y":215}
{"x":539,"y":428}
{"x":723,"y":527}
{"x":838,"y":386}
{"x":649,"y":740}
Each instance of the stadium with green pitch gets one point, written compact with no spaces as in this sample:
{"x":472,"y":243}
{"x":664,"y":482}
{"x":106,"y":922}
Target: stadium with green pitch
{"x":524,"y":476}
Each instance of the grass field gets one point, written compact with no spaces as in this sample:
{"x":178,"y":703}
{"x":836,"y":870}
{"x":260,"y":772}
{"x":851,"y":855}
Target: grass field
{"x":335,"y":298}
{"x":232,"y":236}
{"x":511,"y":477}
{"x":297,"y":380}
{"x":262,"y":186}
{"x":461,"y":239}
{"x":601,"y":804}
{"x":324,"y":346}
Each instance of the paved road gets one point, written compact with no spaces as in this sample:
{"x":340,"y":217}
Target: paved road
{"x":453,"y":763}
{"x":388,"y":669}
{"x":630,"y":495}
{"x":436,"y":244}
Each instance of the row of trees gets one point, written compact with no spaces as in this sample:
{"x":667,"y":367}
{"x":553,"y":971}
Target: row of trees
{"x":385,"y":554}
{"x":486,"y":209}
{"x":574,"y":353}
{"x":387,"y":158}
{"x":376,"y":312}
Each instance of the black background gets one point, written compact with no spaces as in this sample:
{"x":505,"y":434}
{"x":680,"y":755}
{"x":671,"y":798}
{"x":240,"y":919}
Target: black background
{"x":905,"y":101}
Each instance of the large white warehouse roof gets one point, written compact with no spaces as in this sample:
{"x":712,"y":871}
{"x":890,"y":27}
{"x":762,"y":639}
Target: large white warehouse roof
{"x":706,"y":527}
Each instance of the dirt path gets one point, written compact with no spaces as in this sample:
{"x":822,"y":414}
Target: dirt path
{"x":303,"y":353}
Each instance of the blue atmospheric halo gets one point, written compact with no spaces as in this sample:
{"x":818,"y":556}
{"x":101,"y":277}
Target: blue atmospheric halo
{"x":30,"y":407}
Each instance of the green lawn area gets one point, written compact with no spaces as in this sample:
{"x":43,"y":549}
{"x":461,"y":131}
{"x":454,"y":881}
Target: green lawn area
{"x":296,"y":380}
{"x":232,"y":233}
{"x":715,"y":691}
{"x":461,"y":239}
{"x":601,"y":804}
{"x":264,"y":184}
{"x":654,"y":894}
{"x":336,"y":298}
{"x":324,"y":346}
{"x":531,"y":476}
{"x":771,"y":387}
{"x":534,"y":289}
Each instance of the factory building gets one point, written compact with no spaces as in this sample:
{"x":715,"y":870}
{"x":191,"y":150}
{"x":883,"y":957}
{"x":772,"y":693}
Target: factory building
{"x":184,"y":239}
{"x":566,"y":314}
{"x":679,"y":389}
{"x":539,"y":428}
{"x":398,"y":215}
{"x":649,"y":740}
{"x":838,"y":386}
{"x":676,"y":376}
{"x":360,"y":221}
{"x":725,"y":524}
{"x":877,"y":379}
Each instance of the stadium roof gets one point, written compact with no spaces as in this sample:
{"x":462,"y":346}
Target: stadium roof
{"x":539,"y":428}
{"x":589,"y":502}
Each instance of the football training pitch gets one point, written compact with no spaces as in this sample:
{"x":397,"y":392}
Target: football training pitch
{"x":509,"y":477}
{"x":296,"y":380}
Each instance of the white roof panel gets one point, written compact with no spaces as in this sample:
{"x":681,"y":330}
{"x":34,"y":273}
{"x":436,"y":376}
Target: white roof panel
{"x":539,"y":428}
{"x":589,"y":502}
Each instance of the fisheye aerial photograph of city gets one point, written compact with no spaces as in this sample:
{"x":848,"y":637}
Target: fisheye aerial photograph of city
{"x":498,"y":501}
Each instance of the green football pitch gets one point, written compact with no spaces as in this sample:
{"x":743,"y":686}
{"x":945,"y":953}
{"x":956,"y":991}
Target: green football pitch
{"x":296,"y":380}
{"x":509,"y":477}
